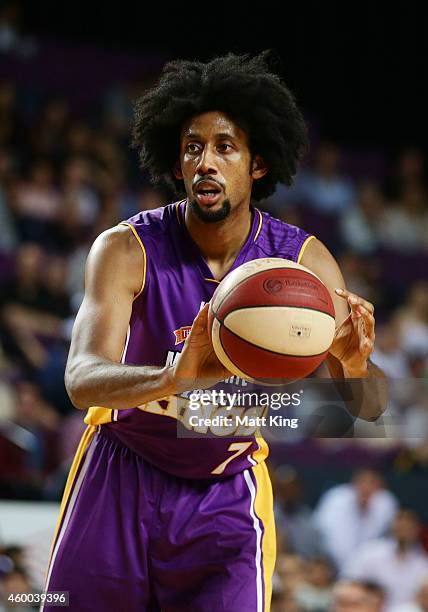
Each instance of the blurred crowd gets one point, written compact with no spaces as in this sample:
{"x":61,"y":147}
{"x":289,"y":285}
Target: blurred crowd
{"x":356,"y":550}
{"x":64,"y":178}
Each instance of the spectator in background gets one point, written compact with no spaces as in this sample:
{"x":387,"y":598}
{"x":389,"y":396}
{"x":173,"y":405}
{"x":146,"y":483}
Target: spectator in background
{"x":79,"y":140}
{"x":390,"y":357}
{"x":405,"y":222}
{"x":109,"y":156}
{"x":420,"y":602}
{"x":415,"y":421}
{"x":399,"y":564}
{"x":76,"y":277}
{"x":11,"y":132}
{"x":15,"y":556}
{"x":356,"y":274}
{"x":7,"y":398}
{"x":289,"y":576}
{"x":119,"y":108}
{"x":8,"y":234}
{"x":26,"y":315}
{"x":349,"y":515}
{"x":324,"y":188}
{"x":37,"y":204}
{"x":48,"y":137}
{"x":412,"y":320}
{"x":362,"y":274}
{"x":409,"y":171}
{"x":150,"y":198}
{"x":19,"y":299}
{"x":12,"y":41}
{"x":283,"y":601}
{"x":388,"y":353}
{"x":81,"y":204}
{"x":36,"y":416}
{"x":293,"y":518}
{"x":16,"y":582}
{"x":361,"y":226}
{"x":355,"y":596}
{"x":316,"y":592}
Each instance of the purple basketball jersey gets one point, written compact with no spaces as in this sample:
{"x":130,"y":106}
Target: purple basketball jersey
{"x":177,"y":280}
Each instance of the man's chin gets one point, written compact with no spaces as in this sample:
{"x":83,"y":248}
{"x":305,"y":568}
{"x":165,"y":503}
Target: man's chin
{"x":210,"y":215}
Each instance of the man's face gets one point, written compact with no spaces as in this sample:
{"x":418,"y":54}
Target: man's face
{"x":216,"y":166}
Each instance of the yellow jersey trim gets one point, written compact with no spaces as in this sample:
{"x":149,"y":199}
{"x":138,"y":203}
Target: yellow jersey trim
{"x":212,"y":280}
{"x":260,"y":224}
{"x":303,"y":247}
{"x":134,"y":231}
{"x":98,"y":415}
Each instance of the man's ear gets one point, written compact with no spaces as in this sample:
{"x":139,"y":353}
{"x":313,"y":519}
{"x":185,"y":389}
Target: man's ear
{"x":177,"y":171}
{"x":258,"y":167}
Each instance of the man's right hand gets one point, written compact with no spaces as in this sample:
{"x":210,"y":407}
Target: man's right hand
{"x":198,"y":366}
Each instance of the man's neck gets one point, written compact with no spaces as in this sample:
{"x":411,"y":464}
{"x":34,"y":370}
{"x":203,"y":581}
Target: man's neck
{"x":220,"y":242}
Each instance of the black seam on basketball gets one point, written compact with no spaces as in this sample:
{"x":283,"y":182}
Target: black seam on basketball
{"x":225,"y":352}
{"x":255,"y":380}
{"x":270,"y":350}
{"x":276,"y":306}
{"x":262,"y":272}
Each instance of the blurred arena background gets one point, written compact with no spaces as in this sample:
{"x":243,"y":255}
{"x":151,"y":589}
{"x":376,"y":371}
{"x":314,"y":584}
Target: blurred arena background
{"x":352,"y":513}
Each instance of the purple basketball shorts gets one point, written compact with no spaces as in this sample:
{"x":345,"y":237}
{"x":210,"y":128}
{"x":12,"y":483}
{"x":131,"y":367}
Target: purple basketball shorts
{"x":131,"y":537}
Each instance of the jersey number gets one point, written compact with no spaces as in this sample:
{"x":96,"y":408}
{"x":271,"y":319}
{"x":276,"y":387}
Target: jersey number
{"x":239,"y":447}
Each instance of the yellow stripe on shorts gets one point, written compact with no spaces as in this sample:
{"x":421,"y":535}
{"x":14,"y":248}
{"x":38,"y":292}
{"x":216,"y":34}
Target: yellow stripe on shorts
{"x":264,"y":509}
{"x":83,"y":445}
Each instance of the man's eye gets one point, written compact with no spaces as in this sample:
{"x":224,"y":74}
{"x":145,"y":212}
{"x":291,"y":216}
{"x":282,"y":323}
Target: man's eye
{"x":223,"y":147}
{"x":192,"y":148}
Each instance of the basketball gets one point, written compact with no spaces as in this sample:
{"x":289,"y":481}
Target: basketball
{"x":271,"y":320}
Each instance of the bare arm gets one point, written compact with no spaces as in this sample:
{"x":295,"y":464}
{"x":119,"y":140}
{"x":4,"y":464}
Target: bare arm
{"x":349,"y":357}
{"x":94,"y":375}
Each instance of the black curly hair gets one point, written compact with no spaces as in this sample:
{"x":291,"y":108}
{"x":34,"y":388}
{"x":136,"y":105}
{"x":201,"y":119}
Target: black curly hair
{"x":242,"y":87}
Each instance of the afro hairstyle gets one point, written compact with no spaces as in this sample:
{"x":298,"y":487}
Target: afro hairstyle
{"x":246,"y":90}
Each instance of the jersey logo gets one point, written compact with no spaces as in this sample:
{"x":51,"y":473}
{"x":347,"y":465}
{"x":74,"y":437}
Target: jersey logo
{"x":181,"y":334}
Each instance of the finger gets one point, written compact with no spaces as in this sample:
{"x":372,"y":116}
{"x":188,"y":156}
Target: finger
{"x":369,"y":323}
{"x":354,"y":299}
{"x":356,"y":322}
{"x":366,"y":335}
{"x":200,"y":323}
{"x":355,"y":302}
{"x":344,"y":322}
{"x":202,"y":316}
{"x":366,"y":346}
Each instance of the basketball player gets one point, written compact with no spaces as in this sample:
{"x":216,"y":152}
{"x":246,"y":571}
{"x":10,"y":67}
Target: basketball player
{"x":149,"y":520}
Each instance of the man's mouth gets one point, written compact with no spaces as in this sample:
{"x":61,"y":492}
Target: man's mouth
{"x":207,"y":192}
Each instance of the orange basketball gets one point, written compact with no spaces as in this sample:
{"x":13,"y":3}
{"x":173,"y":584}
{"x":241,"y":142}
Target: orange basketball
{"x":271,"y":320}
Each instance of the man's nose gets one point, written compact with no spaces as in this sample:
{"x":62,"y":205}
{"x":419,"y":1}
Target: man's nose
{"x":206,"y":163}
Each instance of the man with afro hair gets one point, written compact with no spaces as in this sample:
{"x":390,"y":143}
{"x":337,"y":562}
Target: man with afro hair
{"x":153,"y":519}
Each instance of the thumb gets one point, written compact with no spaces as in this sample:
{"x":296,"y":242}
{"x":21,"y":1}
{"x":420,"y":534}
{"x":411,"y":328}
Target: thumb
{"x":201,"y":319}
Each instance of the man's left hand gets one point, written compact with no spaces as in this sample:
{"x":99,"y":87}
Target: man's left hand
{"x":353,"y":340}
